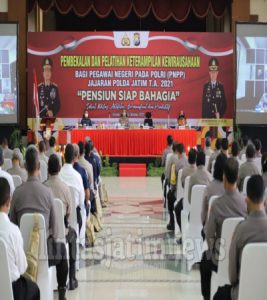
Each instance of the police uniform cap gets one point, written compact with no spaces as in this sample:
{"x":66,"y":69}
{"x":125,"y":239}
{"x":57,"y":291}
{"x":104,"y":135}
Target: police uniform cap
{"x":47,"y":62}
{"x":213,"y":64}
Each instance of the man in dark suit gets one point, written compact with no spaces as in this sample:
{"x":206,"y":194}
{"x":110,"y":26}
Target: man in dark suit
{"x":213,"y":99}
{"x":49,"y":102}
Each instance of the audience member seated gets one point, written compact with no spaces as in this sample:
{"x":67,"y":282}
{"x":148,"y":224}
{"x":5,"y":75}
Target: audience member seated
{"x":177,"y":164}
{"x":257,"y":144}
{"x":23,"y":288}
{"x":264,"y":168}
{"x":7,"y":153}
{"x":181,"y":120}
{"x":86,"y":165}
{"x":249,"y":167}
{"x":16,"y":169}
{"x":191,"y":168}
{"x":82,"y":172}
{"x":215,"y":187}
{"x":208,"y":151}
{"x":213,"y":156}
{"x":235,"y":152}
{"x":74,"y":180}
{"x":5,"y":174}
{"x":51,"y":150}
{"x":123,"y":120}
{"x":86,"y":121}
{"x":230,"y":204}
{"x":201,"y":176}
{"x":252,"y":230}
{"x":61,"y":191}
{"x":245,"y":140}
{"x":225,"y":145}
{"x":42,"y":155}
{"x":148,"y":120}
{"x":31,"y":197}
{"x":187,"y":171}
{"x":94,"y":160}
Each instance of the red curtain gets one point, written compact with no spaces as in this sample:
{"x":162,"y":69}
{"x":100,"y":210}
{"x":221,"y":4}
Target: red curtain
{"x":162,"y":10}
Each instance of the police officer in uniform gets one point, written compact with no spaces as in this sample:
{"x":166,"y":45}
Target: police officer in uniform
{"x":49,"y":102}
{"x":213,"y":99}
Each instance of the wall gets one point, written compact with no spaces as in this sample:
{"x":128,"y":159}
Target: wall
{"x":3,"y":5}
{"x":259,"y":7}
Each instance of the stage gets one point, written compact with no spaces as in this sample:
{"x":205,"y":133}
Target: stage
{"x":130,"y":142}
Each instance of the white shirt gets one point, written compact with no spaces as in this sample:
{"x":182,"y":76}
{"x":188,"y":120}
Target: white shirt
{"x":7,"y":153}
{"x":11,"y":235}
{"x":73,"y":179}
{"x":9,"y":179}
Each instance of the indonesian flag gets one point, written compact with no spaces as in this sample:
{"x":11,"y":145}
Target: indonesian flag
{"x":35,"y":94}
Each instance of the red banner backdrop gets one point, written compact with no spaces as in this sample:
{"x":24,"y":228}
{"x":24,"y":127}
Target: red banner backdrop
{"x":139,"y":71}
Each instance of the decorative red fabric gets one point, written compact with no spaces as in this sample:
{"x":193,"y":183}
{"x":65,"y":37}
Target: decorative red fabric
{"x":162,"y":10}
{"x":146,"y":142}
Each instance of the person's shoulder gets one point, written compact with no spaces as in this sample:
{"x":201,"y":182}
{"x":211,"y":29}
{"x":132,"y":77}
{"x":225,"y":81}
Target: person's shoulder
{"x":53,"y":84}
{"x":206,"y":84}
{"x":40,"y":84}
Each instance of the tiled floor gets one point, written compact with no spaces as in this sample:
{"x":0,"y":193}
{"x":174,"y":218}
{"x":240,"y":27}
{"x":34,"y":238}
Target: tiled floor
{"x":134,"y":256}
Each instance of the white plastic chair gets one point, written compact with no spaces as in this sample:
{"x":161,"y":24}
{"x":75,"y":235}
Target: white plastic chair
{"x":5,"y":280}
{"x":207,"y":161}
{"x":17,"y":180}
{"x":193,"y":242}
{"x":73,"y":223}
{"x":211,"y":200}
{"x":43,"y":170}
{"x":243,"y":157}
{"x":179,"y":195}
{"x":252,"y":280}
{"x":258,"y":164}
{"x":7,"y":164}
{"x":44,"y":275}
{"x":245,"y":183}
{"x":221,"y":278}
{"x":59,"y":210}
{"x":186,"y":208}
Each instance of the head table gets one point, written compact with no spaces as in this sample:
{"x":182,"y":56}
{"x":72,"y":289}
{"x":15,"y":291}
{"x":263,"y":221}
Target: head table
{"x":134,"y":142}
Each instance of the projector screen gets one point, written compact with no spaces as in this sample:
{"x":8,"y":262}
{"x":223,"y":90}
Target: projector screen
{"x":251,"y":73}
{"x":8,"y":73}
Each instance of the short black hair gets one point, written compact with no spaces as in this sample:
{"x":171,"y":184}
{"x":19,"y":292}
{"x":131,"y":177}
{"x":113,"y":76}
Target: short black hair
{"x":256,"y":189}
{"x":230,"y":170}
{"x":218,"y":166}
{"x":245,"y":139}
{"x":41,"y":146}
{"x":180,"y":148}
{"x":89,"y":146}
{"x":53,"y":165}
{"x":4,"y":141}
{"x":175,"y":147}
{"x":218,"y":144}
{"x":1,"y":157}
{"x":257,"y":144}
{"x":201,"y":158}
{"x":192,"y":156}
{"x":208,"y":141}
{"x":81,"y":147}
{"x":225,"y":144}
{"x":32,"y":159}
{"x":169,"y":140}
{"x":250,"y":151}
{"x":69,"y":154}
{"x":264,"y":162}
{"x":52,"y":141}
{"x":235,"y":149}
{"x":4,"y":191}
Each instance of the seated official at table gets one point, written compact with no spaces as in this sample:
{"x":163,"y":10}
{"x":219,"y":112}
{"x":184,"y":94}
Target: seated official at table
{"x":86,"y":121}
{"x":123,"y":120}
{"x":148,"y":120}
{"x":181,"y":120}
